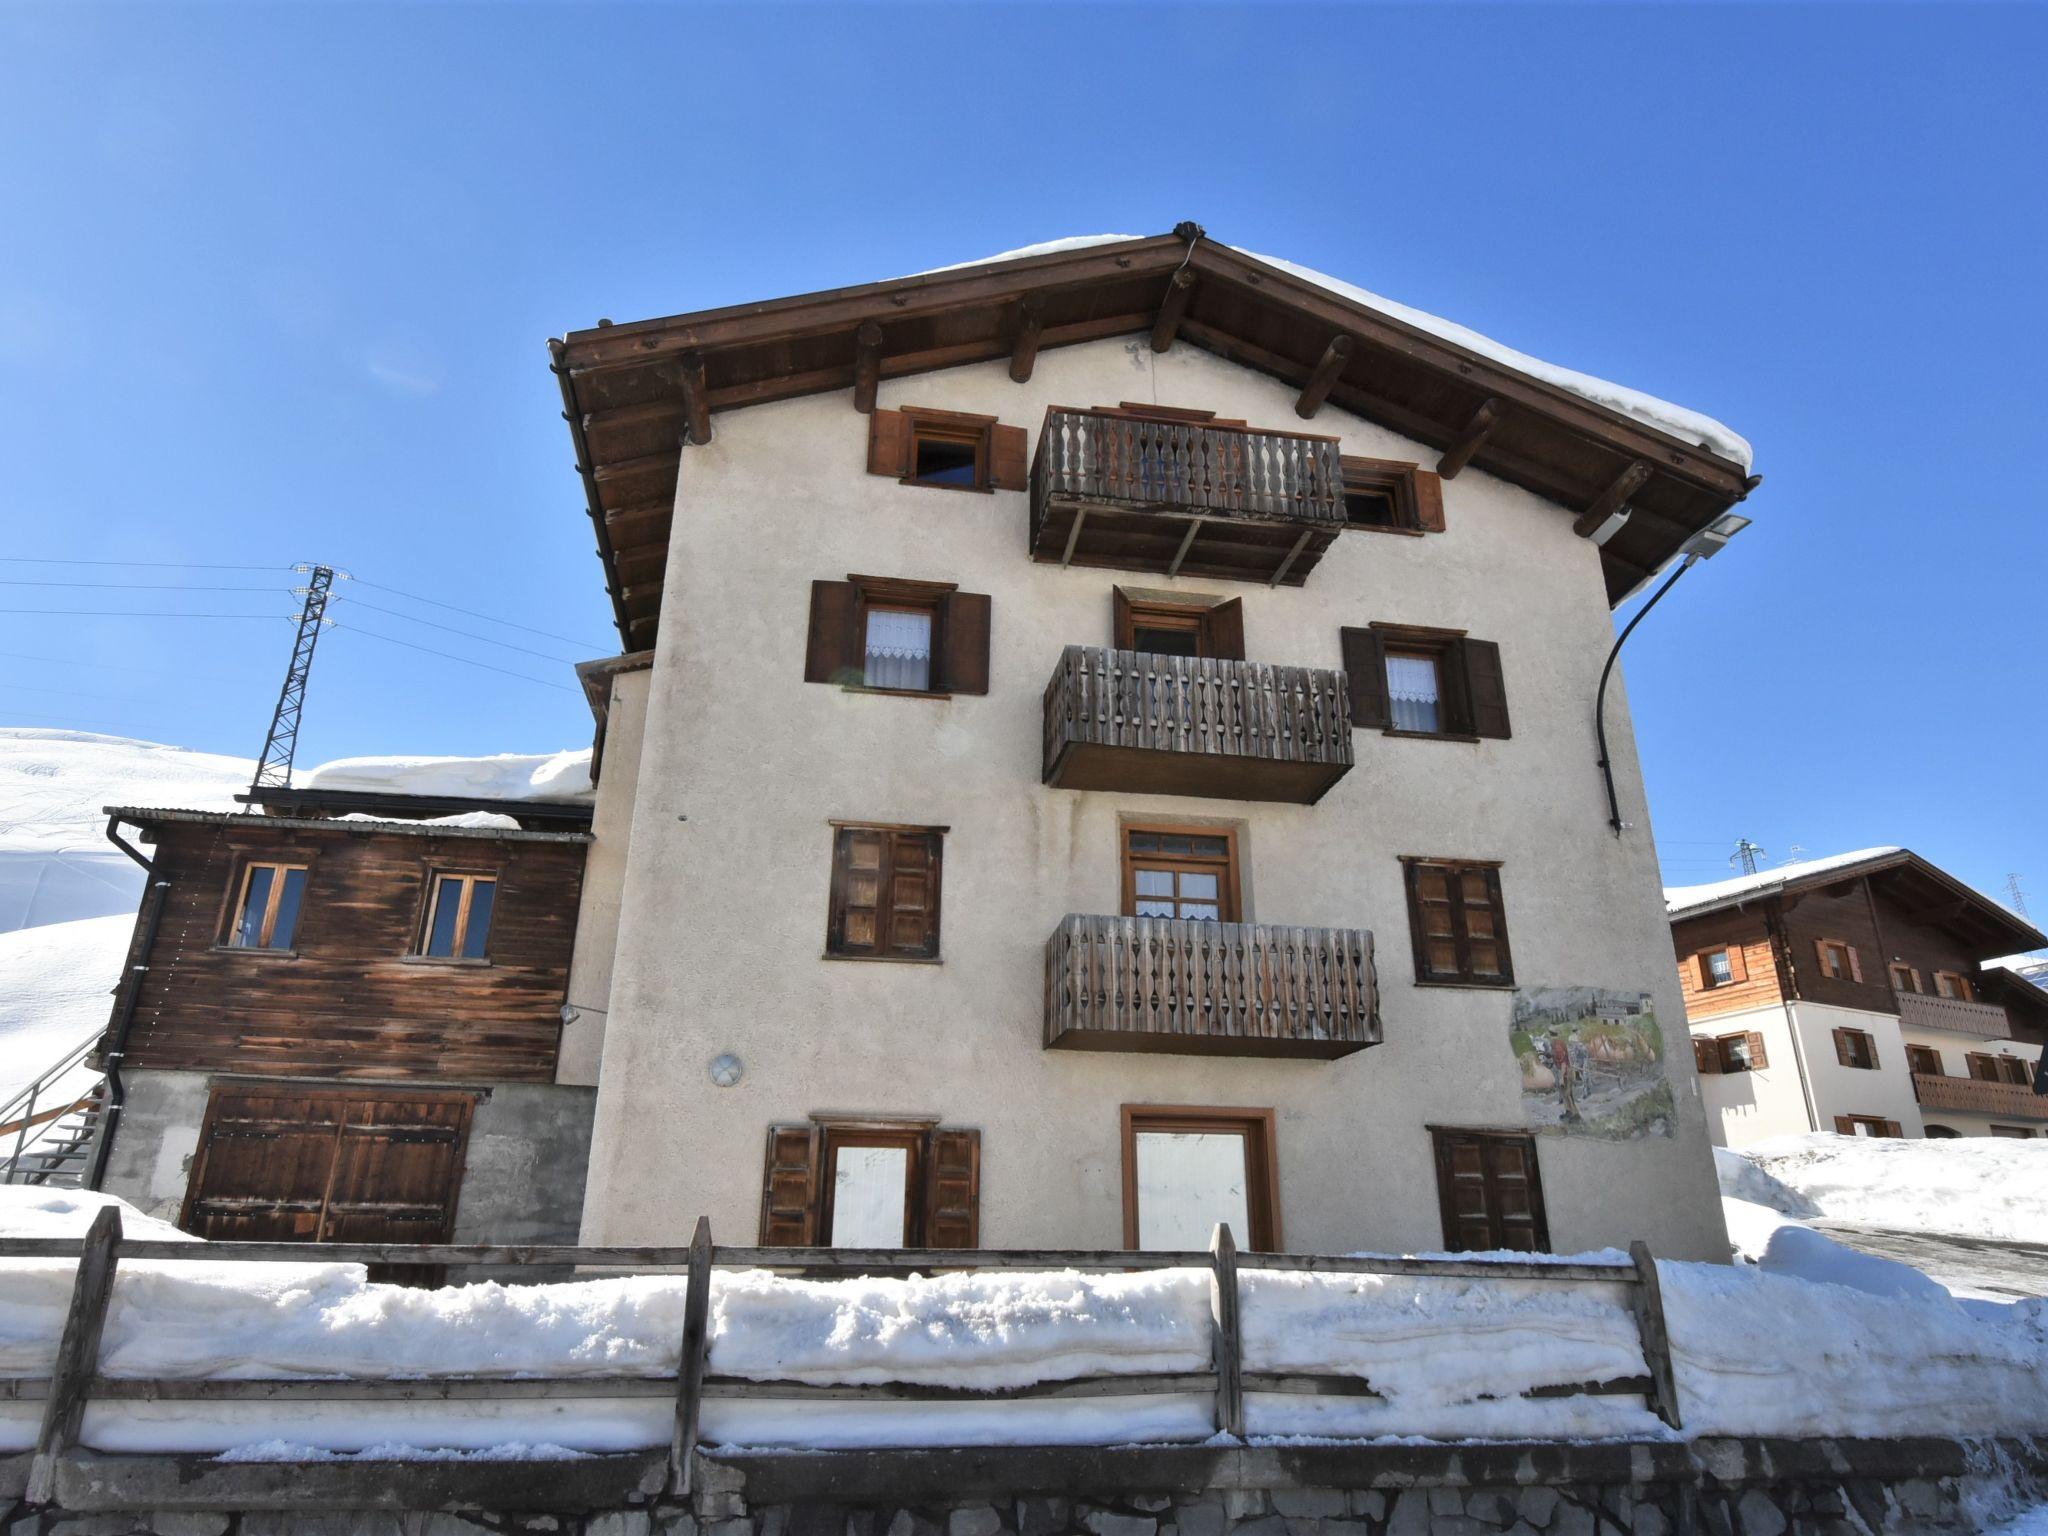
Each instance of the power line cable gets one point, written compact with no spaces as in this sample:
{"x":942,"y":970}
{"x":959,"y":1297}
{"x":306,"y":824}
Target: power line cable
{"x":132,"y":613}
{"x":154,"y":565}
{"x":472,"y":613}
{"x":137,"y":586}
{"x":452,"y":630}
{"x":449,"y":655}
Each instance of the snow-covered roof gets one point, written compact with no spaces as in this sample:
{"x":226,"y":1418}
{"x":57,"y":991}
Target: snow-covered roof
{"x":1682,"y":899}
{"x":521,"y":776}
{"x":490,"y":827}
{"x":1687,"y":425}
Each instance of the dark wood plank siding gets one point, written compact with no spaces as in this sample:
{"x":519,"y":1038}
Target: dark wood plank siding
{"x":1909,"y":937}
{"x":1747,"y":931}
{"x":347,"y":1002}
{"x":1841,"y":912}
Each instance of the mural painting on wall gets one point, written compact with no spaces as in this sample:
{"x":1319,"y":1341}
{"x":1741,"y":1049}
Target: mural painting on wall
{"x":1592,"y":1062}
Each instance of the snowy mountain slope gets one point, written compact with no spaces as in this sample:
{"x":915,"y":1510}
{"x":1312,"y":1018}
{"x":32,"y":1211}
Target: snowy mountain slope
{"x":56,"y":865}
{"x":56,"y":987}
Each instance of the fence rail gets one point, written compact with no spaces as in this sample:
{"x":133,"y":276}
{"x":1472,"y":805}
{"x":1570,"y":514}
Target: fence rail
{"x":75,"y":1377}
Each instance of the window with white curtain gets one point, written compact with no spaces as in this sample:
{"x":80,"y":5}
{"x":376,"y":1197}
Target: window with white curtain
{"x":899,"y":649}
{"x":1413,"y":690}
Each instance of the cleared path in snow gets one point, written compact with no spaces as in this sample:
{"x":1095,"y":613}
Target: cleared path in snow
{"x":1978,"y":1265}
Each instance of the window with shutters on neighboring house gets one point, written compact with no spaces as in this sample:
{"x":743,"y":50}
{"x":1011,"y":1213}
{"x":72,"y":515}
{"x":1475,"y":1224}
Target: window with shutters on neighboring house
{"x":947,"y":450}
{"x":1954,"y":984}
{"x":2019,"y":1132}
{"x":885,"y":892}
{"x":2017,"y":1070}
{"x":1856,"y":1048}
{"x":886,"y":634}
{"x":1742,"y":1052}
{"x":857,"y":1182}
{"x":1458,"y":923}
{"x":1923,"y":1061}
{"x":1388,"y":496}
{"x":1720,"y":967}
{"x":1407,"y":680}
{"x":1838,"y":959}
{"x":1904,"y":977}
{"x":1867,"y":1125}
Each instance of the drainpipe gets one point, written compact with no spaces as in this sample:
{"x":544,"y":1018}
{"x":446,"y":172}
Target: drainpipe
{"x":1782,"y":953}
{"x":115,"y":1045}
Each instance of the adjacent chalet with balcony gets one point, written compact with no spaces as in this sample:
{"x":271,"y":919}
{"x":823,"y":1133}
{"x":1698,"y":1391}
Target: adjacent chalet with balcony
{"x":341,"y":1020}
{"x":1102,"y":746}
{"x":1852,"y":993}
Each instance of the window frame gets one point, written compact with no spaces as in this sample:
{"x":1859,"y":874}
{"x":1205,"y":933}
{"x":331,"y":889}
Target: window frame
{"x":1261,"y":1163}
{"x":1230,"y":887}
{"x":430,"y":907}
{"x":1751,"y":1042}
{"x":1964,"y":993}
{"x":1916,"y":1058}
{"x":237,"y":902}
{"x":836,"y":893}
{"x":943,"y":1159}
{"x":2012,"y":1132}
{"x":1912,"y":973}
{"x":1418,"y":505}
{"x":1853,"y":1043}
{"x":1851,"y":970}
{"x":2018,"y":1070}
{"x":926,"y":424}
{"x":1411,"y":866}
{"x":1444,"y":649}
{"x":897,"y":594}
{"x":1881,"y":1127}
{"x":1442,"y":1137}
{"x":836,"y":1135}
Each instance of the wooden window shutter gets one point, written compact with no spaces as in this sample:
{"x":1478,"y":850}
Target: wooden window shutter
{"x":833,"y":650}
{"x":1844,"y":1126}
{"x":1820,"y":955}
{"x":1759,"y":1058}
{"x":1009,"y":458}
{"x":1123,"y":633}
{"x":789,"y":1188}
{"x":1738,"y":970}
{"x":1855,"y":963}
{"x":952,"y":1200}
{"x":888,"y":444}
{"x":963,"y":643}
{"x":1429,"y":503}
{"x":1365,"y":678}
{"x":1706,"y":1055}
{"x":1842,"y":1047}
{"x":859,"y":860}
{"x":913,"y":895}
{"x":1486,"y":695}
{"x":1702,"y":977}
{"x":885,"y":893}
{"x":1223,"y":631}
{"x":1893,"y":1128}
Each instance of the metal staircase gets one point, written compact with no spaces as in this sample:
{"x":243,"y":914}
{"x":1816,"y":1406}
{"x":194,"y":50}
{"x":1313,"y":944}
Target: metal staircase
{"x":47,"y":1130}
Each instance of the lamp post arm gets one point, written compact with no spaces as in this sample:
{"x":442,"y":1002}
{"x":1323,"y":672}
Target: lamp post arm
{"x":1600,"y":699}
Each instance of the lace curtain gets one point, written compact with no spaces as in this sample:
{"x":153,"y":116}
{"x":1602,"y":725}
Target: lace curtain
{"x":1412,"y":691}
{"x":899,"y":650}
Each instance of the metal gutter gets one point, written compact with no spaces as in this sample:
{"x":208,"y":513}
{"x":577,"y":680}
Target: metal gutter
{"x":116,"y":1048}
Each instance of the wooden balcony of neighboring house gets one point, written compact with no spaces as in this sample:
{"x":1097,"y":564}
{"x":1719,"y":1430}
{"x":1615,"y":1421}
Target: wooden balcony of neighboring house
{"x":1183,"y":498}
{"x":1209,"y":989}
{"x":2003,"y":1101}
{"x":1985,"y":1020}
{"x":1188,"y":725}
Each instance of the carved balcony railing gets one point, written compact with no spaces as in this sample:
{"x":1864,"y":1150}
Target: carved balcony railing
{"x":1985,"y":1020}
{"x":1209,"y":989}
{"x":2002,"y":1101}
{"x":1183,"y":498}
{"x":1186,"y":725}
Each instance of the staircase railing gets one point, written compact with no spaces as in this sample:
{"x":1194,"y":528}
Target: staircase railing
{"x":47,"y":1129}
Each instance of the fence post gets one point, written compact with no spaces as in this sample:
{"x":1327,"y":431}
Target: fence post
{"x":690,"y":1365}
{"x":1223,"y":1336}
{"x":1646,"y":1298}
{"x":78,"y":1353}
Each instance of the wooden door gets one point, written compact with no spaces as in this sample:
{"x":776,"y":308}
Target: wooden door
{"x":328,"y":1165}
{"x":1489,"y":1192}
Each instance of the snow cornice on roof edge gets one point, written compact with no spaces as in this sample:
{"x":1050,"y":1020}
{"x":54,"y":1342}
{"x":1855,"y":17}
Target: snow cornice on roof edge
{"x":144,"y":816}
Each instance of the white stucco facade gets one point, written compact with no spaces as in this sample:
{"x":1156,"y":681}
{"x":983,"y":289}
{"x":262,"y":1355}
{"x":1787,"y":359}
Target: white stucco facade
{"x":743,"y":765}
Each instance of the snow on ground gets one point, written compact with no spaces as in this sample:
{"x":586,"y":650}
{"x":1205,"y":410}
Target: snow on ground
{"x":1686,"y":425}
{"x":1970,"y":1186}
{"x":507,"y":776}
{"x":1755,"y":1353}
{"x":55,"y":862}
{"x":56,"y":991}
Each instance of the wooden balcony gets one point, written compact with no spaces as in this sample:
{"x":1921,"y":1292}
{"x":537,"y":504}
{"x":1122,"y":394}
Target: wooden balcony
{"x":1183,"y":499}
{"x":1985,"y":1020}
{"x":1209,"y":989}
{"x":2002,"y":1101}
{"x":1185,"y":725}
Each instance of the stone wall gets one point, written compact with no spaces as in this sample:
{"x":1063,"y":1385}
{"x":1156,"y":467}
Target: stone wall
{"x":1704,"y":1488}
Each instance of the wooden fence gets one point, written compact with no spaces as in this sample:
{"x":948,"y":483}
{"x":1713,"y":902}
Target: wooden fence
{"x":75,"y":1379}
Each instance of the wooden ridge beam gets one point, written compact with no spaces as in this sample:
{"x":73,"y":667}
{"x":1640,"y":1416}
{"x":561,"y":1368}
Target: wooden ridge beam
{"x":867,"y":366}
{"x":1326,"y":373}
{"x":1476,"y":432}
{"x":1613,"y":499}
{"x":1024,"y":351}
{"x":1180,"y":288}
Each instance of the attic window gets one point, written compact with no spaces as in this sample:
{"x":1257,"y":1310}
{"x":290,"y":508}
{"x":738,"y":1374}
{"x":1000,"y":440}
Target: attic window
{"x":940,"y":457}
{"x":1371,"y":507}
{"x":1387,"y":496}
{"x":951,"y":450}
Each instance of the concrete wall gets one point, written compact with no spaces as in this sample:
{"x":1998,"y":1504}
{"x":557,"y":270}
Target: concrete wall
{"x":725,"y":912}
{"x":604,"y":878}
{"x":1746,"y":1107}
{"x":523,"y":1182}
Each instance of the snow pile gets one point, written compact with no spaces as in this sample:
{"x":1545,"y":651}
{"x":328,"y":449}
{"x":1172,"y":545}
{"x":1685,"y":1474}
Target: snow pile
{"x":507,"y":776}
{"x":1780,"y":1246}
{"x":1969,"y":1186}
{"x":56,"y":865}
{"x":495,"y":819}
{"x":56,"y":992}
{"x":1686,"y":425}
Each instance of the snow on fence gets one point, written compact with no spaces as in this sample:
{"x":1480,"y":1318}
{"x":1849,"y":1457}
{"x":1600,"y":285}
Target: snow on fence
{"x":1296,"y":1326}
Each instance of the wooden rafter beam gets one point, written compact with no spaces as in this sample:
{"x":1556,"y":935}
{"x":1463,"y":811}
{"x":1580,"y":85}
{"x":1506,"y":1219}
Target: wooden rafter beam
{"x":1327,"y":371}
{"x":696,"y":398}
{"x":867,"y":366}
{"x":1611,"y":500}
{"x":1469,"y":442}
{"x":607,"y":471}
{"x":1180,"y":288}
{"x":1031,"y":325}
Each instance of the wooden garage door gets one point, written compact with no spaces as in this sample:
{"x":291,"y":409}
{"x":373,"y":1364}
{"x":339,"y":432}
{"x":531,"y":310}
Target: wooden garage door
{"x":1489,"y":1191}
{"x":340,"y":1166}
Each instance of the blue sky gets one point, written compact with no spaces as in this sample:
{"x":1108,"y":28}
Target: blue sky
{"x":275,"y":284}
